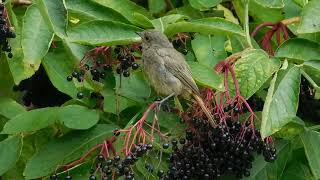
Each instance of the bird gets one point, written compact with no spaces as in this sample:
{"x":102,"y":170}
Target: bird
{"x":167,"y":70}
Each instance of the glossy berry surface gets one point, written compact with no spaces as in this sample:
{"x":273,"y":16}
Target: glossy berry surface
{"x":68,"y":177}
{"x":80,"y":95}
{"x":5,"y":32}
{"x":69,"y":78}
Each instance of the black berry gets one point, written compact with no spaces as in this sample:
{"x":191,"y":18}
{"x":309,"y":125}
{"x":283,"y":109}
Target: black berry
{"x":135,"y":66}
{"x":80,"y":95}
{"x":69,"y":78}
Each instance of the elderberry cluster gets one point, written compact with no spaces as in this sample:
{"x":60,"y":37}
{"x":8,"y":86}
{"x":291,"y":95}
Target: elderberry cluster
{"x":97,"y":71}
{"x":209,"y":153}
{"x":127,"y":60}
{"x":114,"y":167}
{"x":55,"y":177}
{"x":121,"y":167}
{"x":5,"y":32}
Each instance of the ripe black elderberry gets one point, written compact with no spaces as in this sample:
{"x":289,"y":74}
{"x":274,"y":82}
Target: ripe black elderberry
{"x":135,"y":66}
{"x":100,"y":158}
{"x":75,"y":74}
{"x":53,"y":177}
{"x":210,"y":152}
{"x":120,"y":167}
{"x":69,"y":78}
{"x":80,"y":95}
{"x":165,"y":146}
{"x":92,"y":177}
{"x":116,"y":132}
{"x":5,"y":32}
{"x":126,"y":73}
{"x":68,"y":177}
{"x":126,"y":59}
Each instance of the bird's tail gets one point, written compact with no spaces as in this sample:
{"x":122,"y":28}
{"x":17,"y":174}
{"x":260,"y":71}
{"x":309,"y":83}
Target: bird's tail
{"x":205,"y":109}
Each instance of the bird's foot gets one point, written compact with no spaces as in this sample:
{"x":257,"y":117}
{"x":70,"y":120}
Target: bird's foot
{"x":160,"y":101}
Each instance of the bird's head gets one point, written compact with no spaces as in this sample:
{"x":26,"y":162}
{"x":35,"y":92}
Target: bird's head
{"x":154,"y":38}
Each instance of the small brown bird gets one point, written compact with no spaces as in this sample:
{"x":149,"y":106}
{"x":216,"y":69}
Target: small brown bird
{"x":167,"y":70}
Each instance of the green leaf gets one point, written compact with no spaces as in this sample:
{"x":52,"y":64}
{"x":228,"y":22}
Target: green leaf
{"x":114,"y":103}
{"x":126,"y":8}
{"x":300,"y":49}
{"x":31,"y":120}
{"x":268,"y":15}
{"x":35,"y":30}
{"x":58,"y":66}
{"x":271,"y":3}
{"x":19,"y":69}
{"x":253,"y":69}
{"x":93,"y":10}
{"x":168,"y":120}
{"x":297,"y":171}
{"x":6,"y":79}
{"x":162,"y":23}
{"x":206,"y":76}
{"x":55,"y":15}
{"x":156,"y":6}
{"x":134,"y":87}
{"x":204,"y":4}
{"x":142,"y":20}
{"x":207,"y":26}
{"x":75,"y":51}
{"x":159,"y":163}
{"x":72,"y":116}
{"x":310,"y":21}
{"x":78,"y":117}
{"x":10,"y":108}
{"x":282,"y":101}
{"x":292,"y":129}
{"x":66,"y":149}
{"x":188,"y":11}
{"x":10,"y":150}
{"x":264,"y":170}
{"x":104,"y":33}
{"x":255,"y":9}
{"x":203,"y":50}
{"x":310,"y":140}
{"x":312,"y":68}
{"x":315,"y":37}
{"x":301,"y":3}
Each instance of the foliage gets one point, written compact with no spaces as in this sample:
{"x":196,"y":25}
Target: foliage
{"x":68,"y":90}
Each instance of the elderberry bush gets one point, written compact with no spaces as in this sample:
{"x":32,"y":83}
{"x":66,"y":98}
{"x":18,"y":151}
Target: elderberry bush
{"x":5,"y":32}
{"x":209,"y":153}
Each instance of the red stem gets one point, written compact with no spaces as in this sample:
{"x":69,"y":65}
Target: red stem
{"x":255,"y":31}
{"x":68,"y":166}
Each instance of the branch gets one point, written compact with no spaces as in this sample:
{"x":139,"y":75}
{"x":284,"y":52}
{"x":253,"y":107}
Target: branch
{"x":291,"y":20}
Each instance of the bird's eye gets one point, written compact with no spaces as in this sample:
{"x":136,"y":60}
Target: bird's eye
{"x":147,"y":38}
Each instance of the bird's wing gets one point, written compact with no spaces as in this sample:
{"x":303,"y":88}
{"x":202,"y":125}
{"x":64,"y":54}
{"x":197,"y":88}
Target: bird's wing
{"x":176,"y":64}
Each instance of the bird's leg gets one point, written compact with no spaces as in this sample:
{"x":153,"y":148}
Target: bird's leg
{"x":163,"y":100}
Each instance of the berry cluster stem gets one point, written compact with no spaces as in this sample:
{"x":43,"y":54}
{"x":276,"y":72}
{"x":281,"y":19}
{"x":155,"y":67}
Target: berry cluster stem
{"x":141,"y":135}
{"x":105,"y":146}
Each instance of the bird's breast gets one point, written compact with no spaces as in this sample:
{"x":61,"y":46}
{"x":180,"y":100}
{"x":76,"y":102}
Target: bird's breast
{"x":163,"y":81}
